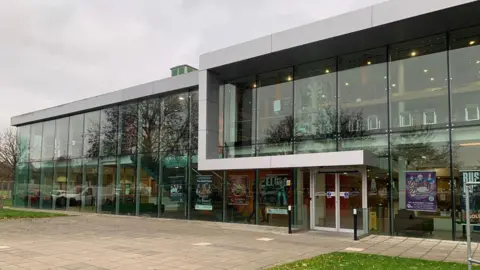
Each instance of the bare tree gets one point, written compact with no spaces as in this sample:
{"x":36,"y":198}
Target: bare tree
{"x":8,"y":155}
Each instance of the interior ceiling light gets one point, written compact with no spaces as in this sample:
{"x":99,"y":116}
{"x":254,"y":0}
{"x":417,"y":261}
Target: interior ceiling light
{"x":181,"y":98}
{"x":431,"y":79}
{"x":393,"y":85}
{"x":472,"y":42}
{"x":254,"y":85}
{"x":289,"y":78}
{"x":346,"y":83}
{"x":425,"y":70}
{"x":414,"y":53}
{"x":478,"y":62}
{"x":369,"y":63}
{"x":327,"y":71}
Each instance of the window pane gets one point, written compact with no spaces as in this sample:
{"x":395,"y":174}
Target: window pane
{"x":418,"y":83}
{"x":91,"y":133}
{"x":239,"y":118}
{"x":174,"y":188}
{"x":127,"y":188}
{"x":74,"y":185}
{"x":465,"y":74}
{"x":194,"y":120}
{"x":108,"y":131}
{"x":46,"y":186}
{"x":36,"y":141}
{"x":315,"y":107}
{"x":150,"y":124}
{"x":149,"y":184}
{"x":107,"y":186}
{"x":274,"y":196}
{"x":274,"y":113}
{"x":128,"y":128}
{"x":21,"y":184}
{"x":362,"y":90}
{"x":23,"y":143}
{"x":48,"y":140}
{"x":76,"y":136}
{"x":240,"y":196}
{"x":90,"y":191}
{"x":174,"y":123}
{"x":61,"y":138}
{"x":59,"y":190}
{"x":34,"y":185}
{"x":206,"y":201}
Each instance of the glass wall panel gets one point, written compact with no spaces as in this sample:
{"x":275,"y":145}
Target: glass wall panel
{"x":48,"y":140}
{"x":34,"y":185}
{"x":275,"y":113}
{"x":362,"y":101}
{"x":193,"y":97}
{"x":127,"y":188}
{"x":75,"y":136}
{"x":59,"y":190}
{"x":206,"y":195}
{"x":61,"y":138}
{"x":419,"y":84}
{"x":46,"y":186}
{"x":74,"y":185}
{"x":91,"y":134}
{"x":148,"y":187}
{"x":21,"y":184}
{"x":421,"y":183}
{"x":465,"y":76}
{"x":315,"y":107}
{"x":221,"y":119}
{"x":23,"y":143}
{"x":173,"y":189}
{"x":274,"y":196}
{"x":149,"y":137}
{"x":241,"y":193}
{"x":109,"y":131}
{"x":107,"y":186}
{"x":466,"y":153}
{"x":128,"y":128}
{"x":378,"y":184}
{"x":90,"y":190}
{"x":239,"y":118}
{"x":174,"y":123}
{"x":36,"y":141}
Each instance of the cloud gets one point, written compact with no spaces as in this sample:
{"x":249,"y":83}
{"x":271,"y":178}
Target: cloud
{"x":53,"y":52}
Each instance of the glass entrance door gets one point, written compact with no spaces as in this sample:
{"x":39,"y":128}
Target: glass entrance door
{"x":334,"y":196}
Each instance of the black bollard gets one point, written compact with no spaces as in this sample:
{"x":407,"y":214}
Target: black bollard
{"x":355,"y":225}
{"x":289,"y":219}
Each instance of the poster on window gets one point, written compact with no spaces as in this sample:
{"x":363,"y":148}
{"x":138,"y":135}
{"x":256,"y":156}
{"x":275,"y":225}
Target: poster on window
{"x":471,"y":177}
{"x":421,"y":192}
{"x":273,"y":190}
{"x":204,"y":193}
{"x":176,"y":188}
{"x":237,"y":189}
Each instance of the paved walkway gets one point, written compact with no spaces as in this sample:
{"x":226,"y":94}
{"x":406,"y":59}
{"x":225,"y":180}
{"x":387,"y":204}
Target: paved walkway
{"x":91,"y":241}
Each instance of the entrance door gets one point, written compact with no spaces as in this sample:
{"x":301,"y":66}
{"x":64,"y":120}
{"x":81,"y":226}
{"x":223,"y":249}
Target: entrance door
{"x":334,"y":196}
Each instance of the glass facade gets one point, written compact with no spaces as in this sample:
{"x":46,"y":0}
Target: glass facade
{"x":414,"y":104}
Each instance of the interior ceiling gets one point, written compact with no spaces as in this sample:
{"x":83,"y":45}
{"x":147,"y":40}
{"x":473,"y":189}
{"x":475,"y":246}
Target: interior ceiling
{"x":416,"y":27}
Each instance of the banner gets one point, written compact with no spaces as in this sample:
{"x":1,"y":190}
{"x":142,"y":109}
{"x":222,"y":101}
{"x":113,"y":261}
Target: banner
{"x":273,"y":190}
{"x":176,"y":188}
{"x":204,"y":193}
{"x":237,"y":189}
{"x":472,"y":177}
{"x":421,"y":192}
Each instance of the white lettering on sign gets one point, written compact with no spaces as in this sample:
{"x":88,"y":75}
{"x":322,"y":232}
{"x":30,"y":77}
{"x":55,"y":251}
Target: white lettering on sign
{"x":471,"y":177}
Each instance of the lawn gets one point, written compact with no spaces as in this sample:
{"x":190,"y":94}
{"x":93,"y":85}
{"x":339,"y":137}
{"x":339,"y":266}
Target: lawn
{"x":341,"y":260}
{"x":15,"y":214}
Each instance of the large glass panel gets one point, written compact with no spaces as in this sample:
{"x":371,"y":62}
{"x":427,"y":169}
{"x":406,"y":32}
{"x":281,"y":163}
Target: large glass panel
{"x":421,"y":183}
{"x":362,"y":101}
{"x":108,"y":131}
{"x":90,"y":190}
{"x":239,"y":118}
{"x":23,"y":143}
{"x":241,"y":192}
{"x":91,"y":134}
{"x":193,"y":97}
{"x":301,"y":205}
{"x":75,"y":136}
{"x":59,"y":190}
{"x":206,"y":195}
{"x":324,"y":200}
{"x":274,"y":196}
{"x":378,"y":184}
{"x":127,"y":188}
{"x":466,"y":153}
{"x":48,"y":140}
{"x":107,"y":186}
{"x":275,"y":113}
{"x":174,"y":123}
{"x":351,"y":183}
{"x":221,"y":119}
{"x":174,"y":186}
{"x":418,"y":83}
{"x":46,"y":186}
{"x":74,"y":185}
{"x":34,"y":185}
{"x":21,"y":184}
{"x":61,"y":138}
{"x":465,"y":76}
{"x":148,"y":187}
{"x":149,"y":137}
{"x":315,"y":107}
{"x":36,"y":141}
{"x":128,"y":128}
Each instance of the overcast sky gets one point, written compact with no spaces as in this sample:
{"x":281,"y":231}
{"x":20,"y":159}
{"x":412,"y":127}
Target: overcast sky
{"x":57,"y":51}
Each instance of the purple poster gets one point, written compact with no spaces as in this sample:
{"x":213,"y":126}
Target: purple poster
{"x":421,"y":191}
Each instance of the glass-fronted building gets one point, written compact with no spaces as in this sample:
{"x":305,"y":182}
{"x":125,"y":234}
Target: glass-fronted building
{"x":367,"y":110}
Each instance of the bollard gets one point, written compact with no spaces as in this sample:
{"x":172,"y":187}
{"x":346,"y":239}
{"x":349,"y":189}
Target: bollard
{"x":289,"y":219}
{"x":355,"y":225}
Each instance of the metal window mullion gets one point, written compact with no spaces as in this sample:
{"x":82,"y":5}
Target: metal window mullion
{"x":450,"y":140}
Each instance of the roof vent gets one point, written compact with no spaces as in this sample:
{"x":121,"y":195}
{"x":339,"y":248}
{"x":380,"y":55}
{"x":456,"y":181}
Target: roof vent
{"x":182,"y":69}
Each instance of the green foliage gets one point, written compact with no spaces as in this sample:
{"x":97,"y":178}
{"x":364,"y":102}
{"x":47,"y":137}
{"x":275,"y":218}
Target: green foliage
{"x":16,"y":214}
